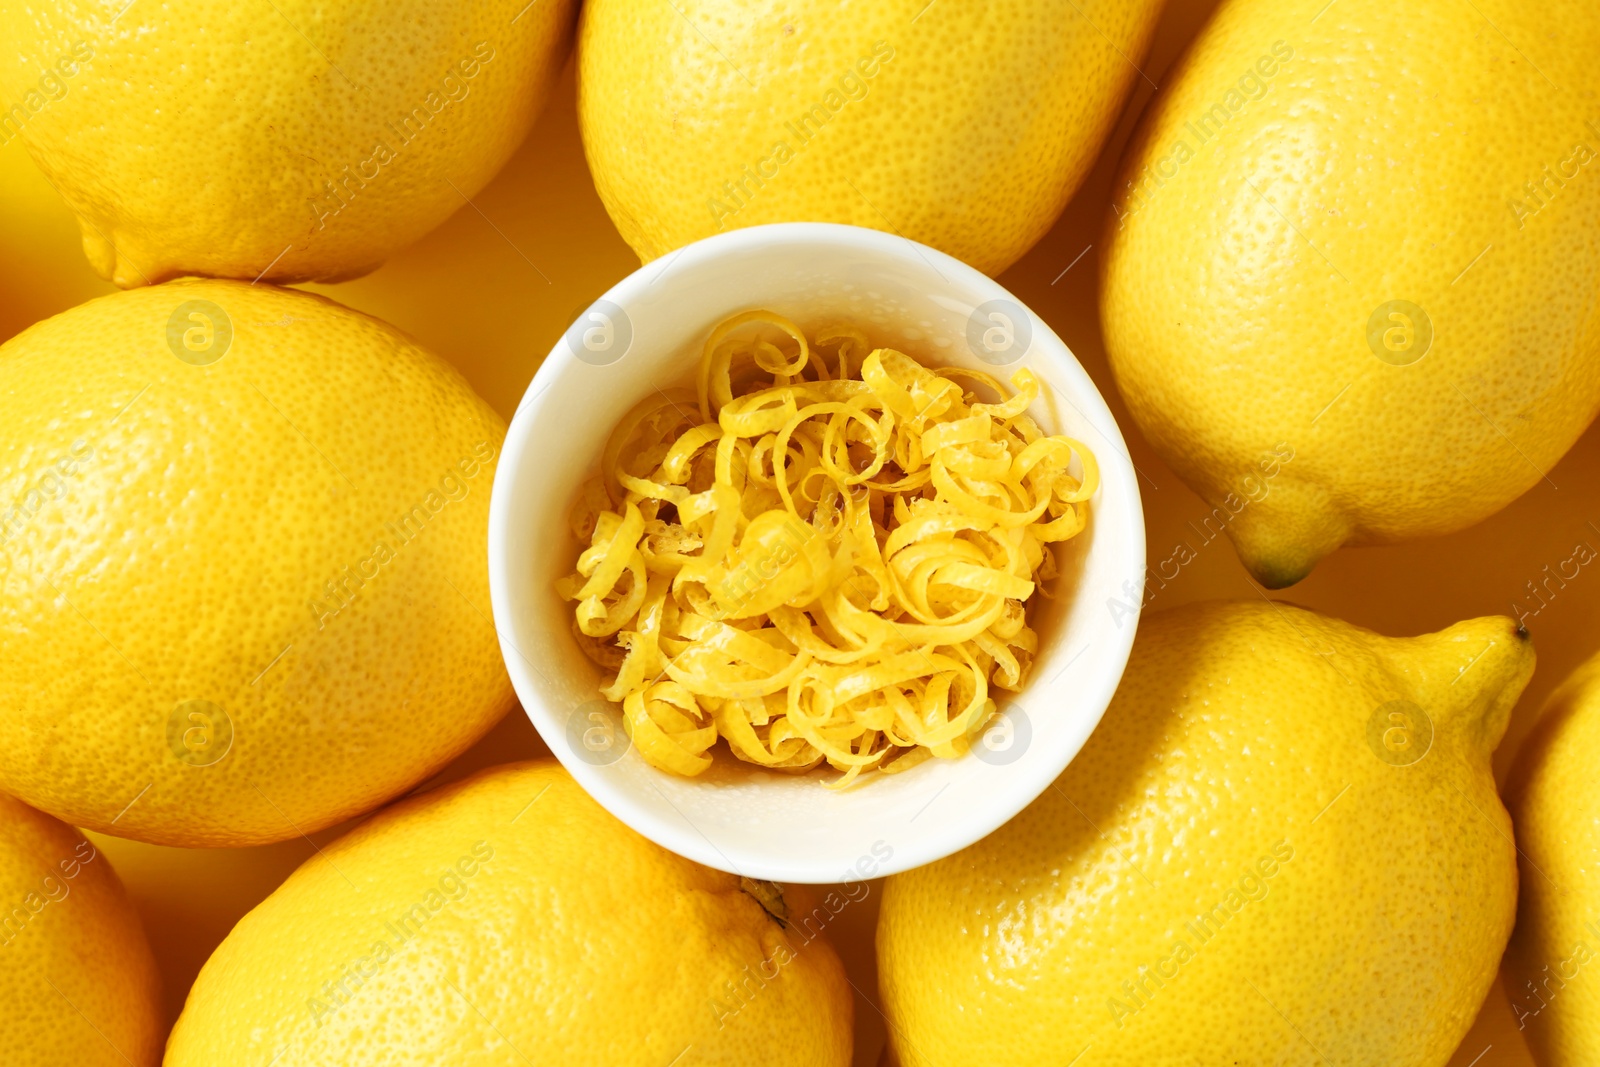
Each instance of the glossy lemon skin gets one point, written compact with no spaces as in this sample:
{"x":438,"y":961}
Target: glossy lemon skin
{"x":79,"y":985}
{"x":508,"y":919}
{"x":243,"y":585}
{"x":289,"y":141}
{"x":1553,"y":795}
{"x":1246,"y":864}
{"x":1362,"y":235}
{"x":965,"y":127}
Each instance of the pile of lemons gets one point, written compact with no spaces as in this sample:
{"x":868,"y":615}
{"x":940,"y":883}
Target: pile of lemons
{"x":243,"y":591}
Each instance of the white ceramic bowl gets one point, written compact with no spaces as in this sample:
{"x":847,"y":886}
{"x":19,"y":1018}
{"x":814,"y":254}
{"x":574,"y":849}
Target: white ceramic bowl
{"x":647,"y":333}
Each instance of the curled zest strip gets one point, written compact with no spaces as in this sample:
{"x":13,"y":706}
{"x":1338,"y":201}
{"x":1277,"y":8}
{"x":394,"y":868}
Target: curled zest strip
{"x":822,"y":553}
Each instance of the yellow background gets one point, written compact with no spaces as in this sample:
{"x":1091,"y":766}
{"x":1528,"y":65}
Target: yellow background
{"x":496,"y":286}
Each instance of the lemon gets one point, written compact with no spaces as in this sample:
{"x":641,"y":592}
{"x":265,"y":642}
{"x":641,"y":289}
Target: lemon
{"x":1327,"y":245}
{"x":508,"y":919}
{"x":966,"y":127}
{"x":243,"y":588}
{"x":1281,"y":846}
{"x":1550,"y":968}
{"x":79,"y":986}
{"x":286,"y":141}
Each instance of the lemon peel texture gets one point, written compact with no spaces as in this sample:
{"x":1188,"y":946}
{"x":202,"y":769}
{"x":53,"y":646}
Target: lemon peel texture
{"x":819,"y":556}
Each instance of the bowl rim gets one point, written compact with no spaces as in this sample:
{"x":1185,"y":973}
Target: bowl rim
{"x":1070,"y":379}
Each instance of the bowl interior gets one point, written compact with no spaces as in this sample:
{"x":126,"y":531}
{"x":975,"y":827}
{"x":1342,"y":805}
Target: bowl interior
{"x":647,"y":334}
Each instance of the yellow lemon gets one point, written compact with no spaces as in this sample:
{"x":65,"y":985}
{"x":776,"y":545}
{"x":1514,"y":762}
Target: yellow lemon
{"x":243,"y":588}
{"x":508,"y":919}
{"x":78,"y":985}
{"x":966,"y":127}
{"x":1281,"y":846}
{"x":286,"y":141}
{"x":1328,"y":243}
{"x":1552,"y":970}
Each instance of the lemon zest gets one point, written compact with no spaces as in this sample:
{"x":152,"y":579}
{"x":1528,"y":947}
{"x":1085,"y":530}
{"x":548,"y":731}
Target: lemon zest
{"x":820,"y":560}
